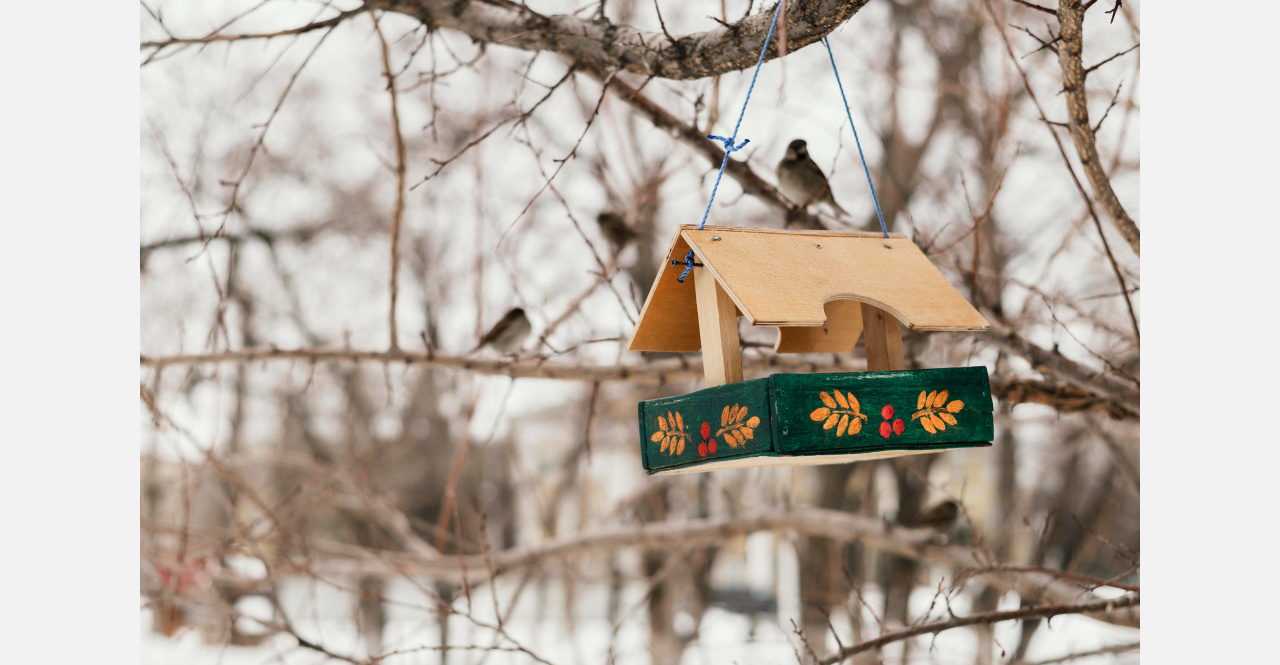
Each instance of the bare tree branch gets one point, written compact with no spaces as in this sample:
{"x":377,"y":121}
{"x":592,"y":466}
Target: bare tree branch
{"x":1031,"y":612}
{"x":916,"y":544}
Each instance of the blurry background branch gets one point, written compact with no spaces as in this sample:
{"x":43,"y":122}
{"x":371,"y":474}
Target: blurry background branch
{"x":1114,"y":401}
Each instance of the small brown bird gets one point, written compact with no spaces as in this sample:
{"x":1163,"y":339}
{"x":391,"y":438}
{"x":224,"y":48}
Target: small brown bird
{"x":941,"y":517}
{"x":801,"y":180}
{"x":615,"y":229}
{"x":508,"y":335}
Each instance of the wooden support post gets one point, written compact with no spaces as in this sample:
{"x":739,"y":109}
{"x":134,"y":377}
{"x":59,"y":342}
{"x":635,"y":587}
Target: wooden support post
{"x":718,"y":329}
{"x":883,"y":341}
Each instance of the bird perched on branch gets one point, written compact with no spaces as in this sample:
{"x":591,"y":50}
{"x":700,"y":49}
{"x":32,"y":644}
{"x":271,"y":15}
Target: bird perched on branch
{"x":940,"y":517}
{"x":944,"y":519}
{"x":615,"y":229}
{"x":508,"y":334}
{"x":801,"y":180}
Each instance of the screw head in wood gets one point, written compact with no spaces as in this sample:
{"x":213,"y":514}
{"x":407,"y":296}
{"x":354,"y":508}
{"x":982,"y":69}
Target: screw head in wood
{"x":714,"y":238}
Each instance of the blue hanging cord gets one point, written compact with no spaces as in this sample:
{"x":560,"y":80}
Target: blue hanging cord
{"x":836,"y":71}
{"x":729,"y":142}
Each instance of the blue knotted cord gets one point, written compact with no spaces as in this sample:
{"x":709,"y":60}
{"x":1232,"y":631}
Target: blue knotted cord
{"x":836,"y":71}
{"x":730,"y":145}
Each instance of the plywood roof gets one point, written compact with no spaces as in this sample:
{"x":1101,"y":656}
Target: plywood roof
{"x":784,"y":278}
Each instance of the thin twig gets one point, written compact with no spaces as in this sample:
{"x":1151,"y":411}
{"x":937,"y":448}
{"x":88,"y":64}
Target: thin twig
{"x":397,"y":214}
{"x":1036,"y":7}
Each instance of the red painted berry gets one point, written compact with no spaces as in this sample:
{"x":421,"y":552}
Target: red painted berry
{"x":711,"y":447}
{"x":702,"y":449}
{"x":887,"y":412}
{"x":706,"y":430}
{"x":885,"y":429}
{"x":898,"y":426}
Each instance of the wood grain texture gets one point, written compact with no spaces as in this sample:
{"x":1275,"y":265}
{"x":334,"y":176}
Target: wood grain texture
{"x":718,"y":331}
{"x":884,"y":340}
{"x":838,"y":335}
{"x":795,"y":425}
{"x":669,"y":318}
{"x":785,"y":278}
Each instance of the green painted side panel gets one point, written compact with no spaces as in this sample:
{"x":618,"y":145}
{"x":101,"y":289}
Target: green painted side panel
{"x":737,"y":424}
{"x":785,"y":414}
{"x":961,"y":415}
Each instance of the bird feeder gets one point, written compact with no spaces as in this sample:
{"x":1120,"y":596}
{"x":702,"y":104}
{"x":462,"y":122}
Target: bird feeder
{"x":822,"y":290}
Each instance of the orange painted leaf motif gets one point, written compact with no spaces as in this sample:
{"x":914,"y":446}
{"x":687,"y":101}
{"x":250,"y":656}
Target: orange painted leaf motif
{"x":672,"y":435}
{"x":748,"y":432}
{"x":842,"y":409}
{"x":935,"y":413}
{"x":734,"y":430}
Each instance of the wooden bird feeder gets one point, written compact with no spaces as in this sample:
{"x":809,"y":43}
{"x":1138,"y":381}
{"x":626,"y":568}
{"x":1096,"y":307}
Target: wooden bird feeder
{"x":822,"y":290}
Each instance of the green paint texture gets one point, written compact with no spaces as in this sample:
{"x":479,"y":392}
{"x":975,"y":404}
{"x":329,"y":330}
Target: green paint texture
{"x":786,"y":405}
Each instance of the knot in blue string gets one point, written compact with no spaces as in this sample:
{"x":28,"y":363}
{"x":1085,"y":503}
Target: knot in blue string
{"x":728,"y":143}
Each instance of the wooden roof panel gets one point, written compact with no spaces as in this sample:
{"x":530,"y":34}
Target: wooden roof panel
{"x":784,"y":278}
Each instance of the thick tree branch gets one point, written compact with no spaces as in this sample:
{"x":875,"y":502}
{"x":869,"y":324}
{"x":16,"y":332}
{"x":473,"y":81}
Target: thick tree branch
{"x":1061,"y":397}
{"x":1054,"y":364}
{"x":1071,"y":18}
{"x":602,"y":44}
